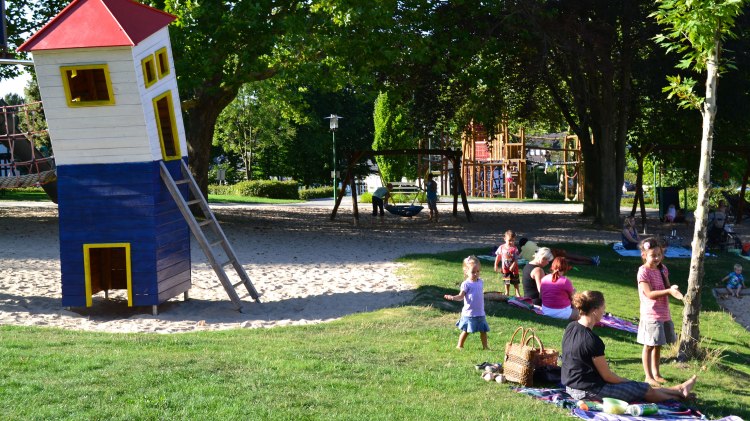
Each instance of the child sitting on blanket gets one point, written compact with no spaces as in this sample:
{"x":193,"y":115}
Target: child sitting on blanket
{"x":655,"y":327}
{"x":472,"y":293}
{"x":508,"y":255}
{"x":736,"y":281}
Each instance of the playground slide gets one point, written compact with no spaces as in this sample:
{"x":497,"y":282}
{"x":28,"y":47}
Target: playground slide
{"x":23,"y":151}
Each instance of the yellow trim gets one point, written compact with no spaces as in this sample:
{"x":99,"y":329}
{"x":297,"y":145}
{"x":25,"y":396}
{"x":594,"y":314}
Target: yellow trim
{"x":74,"y":102}
{"x":162,"y":53}
{"x":149,"y":63}
{"x":178,"y":153}
{"x":87,"y":268}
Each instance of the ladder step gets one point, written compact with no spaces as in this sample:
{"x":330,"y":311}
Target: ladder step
{"x":204,"y":223}
{"x":228,"y":262}
{"x":193,"y":202}
{"x":214,"y":244}
{"x":185,"y":181}
{"x":238,"y":284}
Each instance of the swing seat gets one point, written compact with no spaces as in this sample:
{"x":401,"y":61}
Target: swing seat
{"x":404,"y":210}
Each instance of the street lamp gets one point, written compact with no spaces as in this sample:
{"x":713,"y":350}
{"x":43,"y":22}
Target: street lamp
{"x":334,"y":120}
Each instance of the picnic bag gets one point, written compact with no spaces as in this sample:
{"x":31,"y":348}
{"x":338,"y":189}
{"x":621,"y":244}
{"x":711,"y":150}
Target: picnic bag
{"x":523,"y":357}
{"x":518,"y":365}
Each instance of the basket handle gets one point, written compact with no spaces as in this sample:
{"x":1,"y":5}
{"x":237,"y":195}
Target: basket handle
{"x":523,"y":336}
{"x":539,"y":341}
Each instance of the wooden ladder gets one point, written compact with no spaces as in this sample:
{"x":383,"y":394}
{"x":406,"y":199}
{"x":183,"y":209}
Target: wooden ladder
{"x":197,"y":229}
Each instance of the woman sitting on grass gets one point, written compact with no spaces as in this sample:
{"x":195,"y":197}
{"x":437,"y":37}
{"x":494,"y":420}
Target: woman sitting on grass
{"x":585,"y":372}
{"x":557,"y":292}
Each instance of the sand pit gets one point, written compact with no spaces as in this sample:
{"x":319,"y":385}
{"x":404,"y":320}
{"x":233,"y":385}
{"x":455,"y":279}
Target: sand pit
{"x":306,"y":268}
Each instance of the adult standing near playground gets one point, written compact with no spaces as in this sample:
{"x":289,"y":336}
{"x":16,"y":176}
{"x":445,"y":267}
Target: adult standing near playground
{"x":533,"y":272}
{"x":379,"y":196}
{"x":585,"y":371}
{"x":432,"y":197}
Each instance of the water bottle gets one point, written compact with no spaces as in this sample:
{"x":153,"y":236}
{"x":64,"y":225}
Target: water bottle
{"x":642,"y":409}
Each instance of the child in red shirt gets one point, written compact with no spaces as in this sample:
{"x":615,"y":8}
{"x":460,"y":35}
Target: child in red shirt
{"x":507,"y":255}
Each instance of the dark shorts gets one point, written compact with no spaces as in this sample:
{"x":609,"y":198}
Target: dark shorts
{"x":628,"y":392}
{"x":511,"y":279}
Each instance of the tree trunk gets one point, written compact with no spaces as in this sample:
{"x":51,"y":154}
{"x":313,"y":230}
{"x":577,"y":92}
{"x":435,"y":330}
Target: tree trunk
{"x":690,"y":335}
{"x":200,"y":121}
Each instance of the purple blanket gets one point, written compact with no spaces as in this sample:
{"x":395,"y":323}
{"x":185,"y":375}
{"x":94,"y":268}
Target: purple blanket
{"x":671,"y":410}
{"x":608,"y":320}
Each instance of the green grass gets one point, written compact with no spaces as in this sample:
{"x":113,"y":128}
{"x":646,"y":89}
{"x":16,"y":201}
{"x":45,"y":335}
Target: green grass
{"x":216,"y":198}
{"x":398,"y":363}
{"x":28,"y":194}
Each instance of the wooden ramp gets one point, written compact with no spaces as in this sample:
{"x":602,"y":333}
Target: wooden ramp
{"x":209,"y":248}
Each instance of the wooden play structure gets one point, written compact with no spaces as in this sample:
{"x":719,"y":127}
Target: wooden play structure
{"x":22,"y":164}
{"x":454,"y":158}
{"x":107,"y":79}
{"x":497,"y":165}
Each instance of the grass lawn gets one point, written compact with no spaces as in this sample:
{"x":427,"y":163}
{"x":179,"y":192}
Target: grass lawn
{"x":36,"y":194}
{"x":398,"y":363}
{"x":28,"y":194}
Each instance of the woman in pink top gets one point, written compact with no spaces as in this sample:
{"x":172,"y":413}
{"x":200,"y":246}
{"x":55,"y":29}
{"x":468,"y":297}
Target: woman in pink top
{"x":655,"y":327}
{"x":556,"y":292}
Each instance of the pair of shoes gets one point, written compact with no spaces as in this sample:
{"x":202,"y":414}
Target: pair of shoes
{"x":489,"y":376}
{"x":597,"y":261}
{"x":482,"y":366}
{"x":494,"y":368}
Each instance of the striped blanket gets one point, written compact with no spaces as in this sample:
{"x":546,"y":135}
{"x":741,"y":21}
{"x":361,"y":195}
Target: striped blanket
{"x":608,"y":320}
{"x":670,"y":410}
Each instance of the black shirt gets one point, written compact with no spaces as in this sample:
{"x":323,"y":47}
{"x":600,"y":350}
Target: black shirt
{"x":579,"y":348}
{"x":529,"y":284}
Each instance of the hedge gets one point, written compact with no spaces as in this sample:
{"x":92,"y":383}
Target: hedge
{"x":316,"y":193}
{"x":268,"y":188}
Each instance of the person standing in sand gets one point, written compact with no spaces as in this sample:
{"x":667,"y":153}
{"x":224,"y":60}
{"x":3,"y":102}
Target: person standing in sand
{"x":585,"y":371}
{"x":432,"y":197}
{"x":473,"y":318}
{"x":379,"y":197}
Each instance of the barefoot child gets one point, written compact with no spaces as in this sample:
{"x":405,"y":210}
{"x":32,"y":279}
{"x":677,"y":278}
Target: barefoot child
{"x":655,"y":327}
{"x":472,"y":293}
{"x":508,"y":255}
{"x":736,"y":281}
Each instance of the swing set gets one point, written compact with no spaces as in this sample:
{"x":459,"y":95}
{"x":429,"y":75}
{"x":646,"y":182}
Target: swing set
{"x":404,"y":210}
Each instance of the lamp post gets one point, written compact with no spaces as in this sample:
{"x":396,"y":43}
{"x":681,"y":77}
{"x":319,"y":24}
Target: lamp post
{"x":334,"y":124}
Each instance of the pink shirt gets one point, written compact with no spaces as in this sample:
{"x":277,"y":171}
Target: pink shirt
{"x":508,"y":254}
{"x":556,"y":295}
{"x":653,"y":310}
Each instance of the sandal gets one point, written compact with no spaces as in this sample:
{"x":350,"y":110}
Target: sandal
{"x":482,"y":366}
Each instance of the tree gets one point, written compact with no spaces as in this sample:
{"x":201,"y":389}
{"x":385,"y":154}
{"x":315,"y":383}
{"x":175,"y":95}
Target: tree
{"x":696,"y":29}
{"x":391,"y":132}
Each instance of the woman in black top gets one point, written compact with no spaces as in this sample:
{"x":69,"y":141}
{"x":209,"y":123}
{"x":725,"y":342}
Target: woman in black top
{"x":533,"y":273}
{"x":585,"y":372}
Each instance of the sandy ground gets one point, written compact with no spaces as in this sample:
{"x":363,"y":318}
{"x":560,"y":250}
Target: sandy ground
{"x":307,"y":268}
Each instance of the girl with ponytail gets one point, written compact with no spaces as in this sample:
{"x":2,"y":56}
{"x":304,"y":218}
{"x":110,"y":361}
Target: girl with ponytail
{"x":557,"y":292}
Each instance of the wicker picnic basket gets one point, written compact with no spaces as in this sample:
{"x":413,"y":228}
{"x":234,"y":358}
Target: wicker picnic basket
{"x":521,"y":358}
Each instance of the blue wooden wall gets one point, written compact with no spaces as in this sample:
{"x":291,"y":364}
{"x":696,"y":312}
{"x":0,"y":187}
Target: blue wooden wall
{"x":123,"y":203}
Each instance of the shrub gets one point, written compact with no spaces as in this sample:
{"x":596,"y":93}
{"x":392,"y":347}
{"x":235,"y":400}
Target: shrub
{"x":268,"y":188}
{"x":366,"y":197}
{"x":547,"y":194}
{"x":221,"y":189}
{"x":316,"y":193}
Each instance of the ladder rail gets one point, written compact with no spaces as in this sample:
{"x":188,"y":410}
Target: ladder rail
{"x":195,"y":228}
{"x":218,"y":231}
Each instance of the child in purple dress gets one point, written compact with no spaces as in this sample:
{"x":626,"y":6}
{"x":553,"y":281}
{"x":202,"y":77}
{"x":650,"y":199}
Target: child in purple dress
{"x":472,"y":293}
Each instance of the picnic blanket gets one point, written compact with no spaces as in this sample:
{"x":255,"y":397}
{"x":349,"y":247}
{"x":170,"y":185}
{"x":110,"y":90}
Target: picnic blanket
{"x":670,"y":410}
{"x":672,"y":252}
{"x":608,"y":320}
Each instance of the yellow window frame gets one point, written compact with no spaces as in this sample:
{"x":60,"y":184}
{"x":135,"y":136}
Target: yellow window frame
{"x":162,"y":58}
{"x":72,"y":102}
{"x":172,"y":122}
{"x":148,"y":65}
{"x":87,"y":268}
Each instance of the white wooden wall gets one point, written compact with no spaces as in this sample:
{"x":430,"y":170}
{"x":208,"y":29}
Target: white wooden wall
{"x":149,"y":46}
{"x":99,"y":134}
{"x":123,"y":132}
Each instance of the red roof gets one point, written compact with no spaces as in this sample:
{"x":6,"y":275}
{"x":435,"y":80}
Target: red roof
{"x":98,"y":23}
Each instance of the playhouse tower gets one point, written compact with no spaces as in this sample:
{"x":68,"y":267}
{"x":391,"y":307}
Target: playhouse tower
{"x":108,"y":85}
